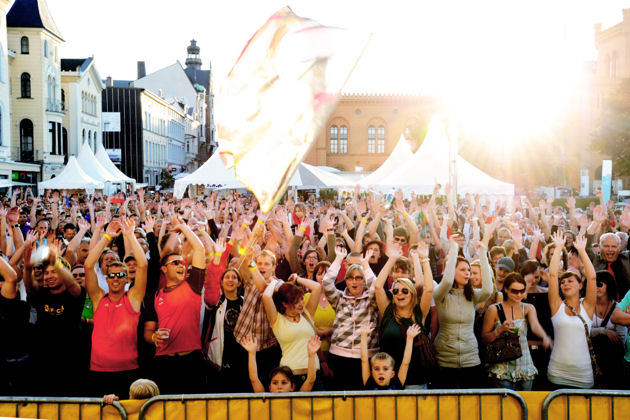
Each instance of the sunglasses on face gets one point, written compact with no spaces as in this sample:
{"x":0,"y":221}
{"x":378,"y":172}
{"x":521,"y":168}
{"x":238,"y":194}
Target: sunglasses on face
{"x":517,"y":291}
{"x":396,"y":290}
{"x":355,"y":278}
{"x":176,"y":263}
{"x":79,"y":274}
{"x":600,"y":284}
{"x":114,"y":275}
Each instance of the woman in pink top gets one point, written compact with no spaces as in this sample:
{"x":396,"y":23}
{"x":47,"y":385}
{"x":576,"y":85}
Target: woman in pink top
{"x":114,"y":359}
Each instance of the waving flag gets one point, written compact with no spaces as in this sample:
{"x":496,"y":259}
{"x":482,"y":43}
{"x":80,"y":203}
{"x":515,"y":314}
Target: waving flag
{"x":277,"y":97}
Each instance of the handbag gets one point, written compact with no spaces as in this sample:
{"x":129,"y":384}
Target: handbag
{"x":506,"y":346}
{"x":598,"y":376}
{"x":424,"y":347}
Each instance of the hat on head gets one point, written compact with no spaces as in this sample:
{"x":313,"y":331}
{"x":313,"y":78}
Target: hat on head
{"x":506,"y":263}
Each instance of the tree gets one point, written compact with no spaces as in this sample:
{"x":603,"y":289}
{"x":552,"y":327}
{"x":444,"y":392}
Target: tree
{"x":167,"y":180}
{"x":612,"y":131}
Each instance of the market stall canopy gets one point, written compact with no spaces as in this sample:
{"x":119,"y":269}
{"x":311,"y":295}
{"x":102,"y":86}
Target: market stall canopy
{"x":429,"y":165}
{"x":91,"y":166}
{"x":71,"y":178}
{"x":212,"y":174}
{"x":308,"y":176}
{"x":7,"y":183}
{"x":106,"y":162}
{"x":399,"y":156}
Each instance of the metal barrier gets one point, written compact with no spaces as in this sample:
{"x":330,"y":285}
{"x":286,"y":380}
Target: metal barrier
{"x":588,"y":404}
{"x":60,"y":408}
{"x":390,"y":405}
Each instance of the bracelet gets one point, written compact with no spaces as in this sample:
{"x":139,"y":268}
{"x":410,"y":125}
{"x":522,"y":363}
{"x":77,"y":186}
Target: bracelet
{"x":153,"y":337}
{"x":245,"y":225}
{"x":106,"y":236}
{"x":253,"y":267}
{"x":426,"y":260}
{"x":405,"y":214}
{"x":218,"y":254}
{"x":260,"y":221}
{"x":241,"y":250}
{"x":57,"y":263}
{"x":17,"y":225}
{"x":363,"y":221}
{"x":303,"y":229}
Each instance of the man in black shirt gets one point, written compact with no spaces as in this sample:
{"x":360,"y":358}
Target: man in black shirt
{"x":59,"y":304}
{"x":15,"y":333}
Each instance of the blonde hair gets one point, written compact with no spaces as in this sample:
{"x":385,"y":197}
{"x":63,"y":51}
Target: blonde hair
{"x":142,"y":389}
{"x":383,"y":356}
{"x":410,"y":286}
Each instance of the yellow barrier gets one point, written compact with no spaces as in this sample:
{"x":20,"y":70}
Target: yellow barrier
{"x":480,"y":404}
{"x":578,"y":404}
{"x":60,"y":408}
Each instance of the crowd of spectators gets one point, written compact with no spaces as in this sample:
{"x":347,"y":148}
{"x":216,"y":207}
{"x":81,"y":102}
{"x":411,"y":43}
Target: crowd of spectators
{"x":210,"y":295}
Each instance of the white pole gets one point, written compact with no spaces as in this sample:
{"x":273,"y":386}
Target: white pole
{"x":452,"y":156}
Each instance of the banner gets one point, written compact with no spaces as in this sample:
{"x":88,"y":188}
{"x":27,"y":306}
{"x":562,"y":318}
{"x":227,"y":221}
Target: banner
{"x":277,"y":97}
{"x":606,"y":179}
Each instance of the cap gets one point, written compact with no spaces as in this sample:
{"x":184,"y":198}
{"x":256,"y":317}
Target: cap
{"x":506,"y":263}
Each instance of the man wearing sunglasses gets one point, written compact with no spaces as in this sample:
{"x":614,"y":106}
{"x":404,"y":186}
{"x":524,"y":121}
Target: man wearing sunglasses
{"x":173,"y":324}
{"x":114,"y":358}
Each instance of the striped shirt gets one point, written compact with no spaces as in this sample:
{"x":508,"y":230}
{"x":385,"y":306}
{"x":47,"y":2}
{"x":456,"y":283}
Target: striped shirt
{"x":253,"y":319}
{"x":350,"y":313}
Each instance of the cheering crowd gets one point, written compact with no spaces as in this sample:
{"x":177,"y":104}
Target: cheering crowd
{"x":365,"y":292}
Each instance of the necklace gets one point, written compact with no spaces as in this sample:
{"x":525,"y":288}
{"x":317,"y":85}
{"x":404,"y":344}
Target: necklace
{"x":604,"y":311}
{"x":293,"y":318}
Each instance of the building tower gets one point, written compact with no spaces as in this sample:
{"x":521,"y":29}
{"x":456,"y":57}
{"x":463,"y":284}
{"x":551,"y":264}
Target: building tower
{"x":193,"y":59}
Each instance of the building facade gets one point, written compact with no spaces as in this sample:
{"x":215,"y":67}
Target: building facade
{"x":37,"y":110}
{"x":81,"y":96}
{"x":363,"y":130}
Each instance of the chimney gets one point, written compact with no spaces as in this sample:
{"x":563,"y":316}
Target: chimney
{"x":160,"y":93}
{"x":142,"y":70}
{"x":109,"y":82}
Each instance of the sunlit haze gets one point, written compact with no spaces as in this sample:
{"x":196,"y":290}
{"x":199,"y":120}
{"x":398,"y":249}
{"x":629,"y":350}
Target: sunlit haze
{"x":497,"y":64}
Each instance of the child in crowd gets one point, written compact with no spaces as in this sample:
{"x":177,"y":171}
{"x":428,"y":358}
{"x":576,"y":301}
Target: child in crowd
{"x":140,"y":389}
{"x":382,"y":375}
{"x":281,"y":378}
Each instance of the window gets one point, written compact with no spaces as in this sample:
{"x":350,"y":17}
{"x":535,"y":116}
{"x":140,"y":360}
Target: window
{"x":26,"y":141}
{"x":333,"y":138}
{"x":83,"y":137}
{"x":371,"y":139}
{"x":24,"y":45}
{"x":25,"y":80}
{"x":381,"y":139}
{"x":45,"y":48}
{"x":52,"y":137}
{"x":343,"y":139}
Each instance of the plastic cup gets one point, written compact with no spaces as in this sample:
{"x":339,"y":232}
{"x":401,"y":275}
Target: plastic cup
{"x":164,"y":333}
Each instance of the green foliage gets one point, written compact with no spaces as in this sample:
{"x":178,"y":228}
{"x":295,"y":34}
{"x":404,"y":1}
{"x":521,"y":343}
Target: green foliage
{"x":167,"y":180}
{"x":328,"y":194}
{"x":612,"y":133}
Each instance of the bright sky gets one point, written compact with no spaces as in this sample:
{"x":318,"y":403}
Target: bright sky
{"x":480,"y":54}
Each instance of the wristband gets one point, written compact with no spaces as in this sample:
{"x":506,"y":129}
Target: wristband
{"x":106,"y":236}
{"x":253,"y":267}
{"x":260,"y":221}
{"x":405,"y":214}
{"x":57,"y":263}
{"x":426,"y":260}
{"x":245,"y":225}
{"x":231,"y":242}
{"x":241,"y":250}
{"x":363,"y":221}
{"x":17,"y":225}
{"x":303,"y":229}
{"x":218,"y":254}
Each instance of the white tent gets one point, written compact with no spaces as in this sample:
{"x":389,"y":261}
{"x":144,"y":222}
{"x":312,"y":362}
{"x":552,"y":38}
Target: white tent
{"x":71,"y":178}
{"x":429,"y":165}
{"x":308,"y":176}
{"x":92,"y":167}
{"x":401,"y":154}
{"x":212,"y":174}
{"x":106,"y":162}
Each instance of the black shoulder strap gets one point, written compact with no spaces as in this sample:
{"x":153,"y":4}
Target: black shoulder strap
{"x":612,"y":309}
{"x":501,"y":313}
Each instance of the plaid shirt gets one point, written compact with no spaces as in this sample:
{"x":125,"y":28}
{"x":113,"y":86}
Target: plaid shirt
{"x":253,"y":319}
{"x":350,"y":313}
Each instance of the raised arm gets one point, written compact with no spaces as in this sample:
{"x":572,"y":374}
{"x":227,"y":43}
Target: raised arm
{"x":422,"y":258}
{"x":250,"y":344}
{"x":137,"y":291}
{"x":267,"y":299}
{"x":199,"y":254}
{"x":591,"y":281}
{"x":91,"y":281}
{"x":366,"y":330}
{"x":312,"y":347}
{"x":412,"y":332}
{"x":554,"y":266}
{"x":382,"y":301}
{"x":9,"y":287}
{"x":481,"y":295}
{"x":64,"y":274}
{"x":315,"y":289}
{"x":449,"y":273}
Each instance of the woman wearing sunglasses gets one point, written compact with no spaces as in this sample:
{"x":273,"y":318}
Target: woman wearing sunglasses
{"x":114,"y":359}
{"x":404,"y":310}
{"x":519,"y":373}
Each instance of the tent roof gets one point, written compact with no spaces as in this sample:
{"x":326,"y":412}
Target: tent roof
{"x":314,"y":177}
{"x":401,"y":154}
{"x":71,"y":178}
{"x":92,"y":166}
{"x":106,"y":162}
{"x":429,"y":165}
{"x":212,"y":174}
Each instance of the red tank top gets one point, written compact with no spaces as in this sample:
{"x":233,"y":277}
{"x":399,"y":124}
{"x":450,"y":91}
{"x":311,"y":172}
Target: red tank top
{"x":180,"y":311}
{"x":115,"y":336}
